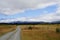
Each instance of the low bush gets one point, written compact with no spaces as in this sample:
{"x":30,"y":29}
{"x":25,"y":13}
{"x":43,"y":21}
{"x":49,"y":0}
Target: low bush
{"x":58,"y":30}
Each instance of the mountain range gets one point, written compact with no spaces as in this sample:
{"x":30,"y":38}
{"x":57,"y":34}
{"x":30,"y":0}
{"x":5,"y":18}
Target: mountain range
{"x":26,"y":22}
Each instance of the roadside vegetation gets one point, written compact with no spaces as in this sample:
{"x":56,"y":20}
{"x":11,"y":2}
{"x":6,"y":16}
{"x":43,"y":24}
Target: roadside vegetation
{"x":6,"y":28}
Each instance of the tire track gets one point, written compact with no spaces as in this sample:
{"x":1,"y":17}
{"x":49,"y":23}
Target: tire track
{"x":15,"y":35}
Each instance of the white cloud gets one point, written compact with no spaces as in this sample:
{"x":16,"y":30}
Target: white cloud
{"x":46,"y":18}
{"x":44,"y":5}
{"x":12,"y":20}
{"x":9,"y":7}
{"x":50,"y":17}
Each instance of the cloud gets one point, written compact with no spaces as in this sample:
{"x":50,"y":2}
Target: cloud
{"x":50,"y":17}
{"x":13,"y":20}
{"x":44,"y":5}
{"x":10,"y":7}
{"x":45,"y":18}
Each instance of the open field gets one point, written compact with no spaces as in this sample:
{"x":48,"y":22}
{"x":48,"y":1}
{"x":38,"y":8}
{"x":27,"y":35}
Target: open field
{"x":38,"y":32}
{"x":46,"y":27}
{"x":40,"y":35}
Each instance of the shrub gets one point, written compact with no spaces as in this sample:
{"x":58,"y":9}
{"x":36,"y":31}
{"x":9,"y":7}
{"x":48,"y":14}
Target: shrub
{"x":30,"y":27}
{"x":58,"y":30}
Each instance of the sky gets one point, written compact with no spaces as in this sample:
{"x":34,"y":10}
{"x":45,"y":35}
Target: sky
{"x":29,"y":10}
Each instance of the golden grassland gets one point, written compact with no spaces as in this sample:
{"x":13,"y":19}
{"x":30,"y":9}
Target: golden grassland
{"x":38,"y":32}
{"x":6,"y":28}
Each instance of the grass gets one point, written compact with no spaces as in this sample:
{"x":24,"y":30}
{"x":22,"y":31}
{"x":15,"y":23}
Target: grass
{"x":38,"y":32}
{"x":39,"y":35}
{"x":44,"y":32}
{"x":6,"y":28}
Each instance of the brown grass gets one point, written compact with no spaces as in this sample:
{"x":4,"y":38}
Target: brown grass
{"x":44,"y":32}
{"x":39,"y":35}
{"x":38,"y":32}
{"x":6,"y":28}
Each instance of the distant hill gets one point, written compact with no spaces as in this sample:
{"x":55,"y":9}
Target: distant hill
{"x":25,"y":22}
{"x":58,"y":22}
